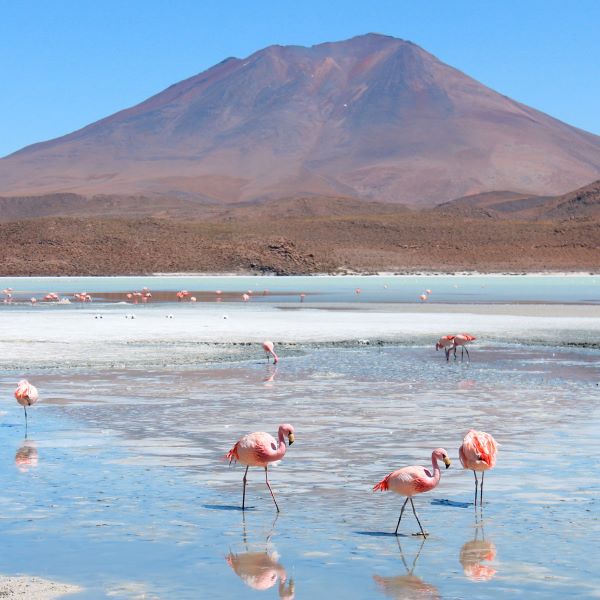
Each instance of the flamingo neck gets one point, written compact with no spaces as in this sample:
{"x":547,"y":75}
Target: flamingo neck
{"x":436,"y":469}
{"x":281,"y":445}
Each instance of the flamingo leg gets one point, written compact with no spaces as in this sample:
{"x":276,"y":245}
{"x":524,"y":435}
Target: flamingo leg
{"x":447,"y":351}
{"x":474,"y":473}
{"x":244,"y":492}
{"x":400,"y":517}
{"x":25,"y":409}
{"x":481,"y":490}
{"x":467,"y":351}
{"x":269,"y":486}
{"x":416,"y":517}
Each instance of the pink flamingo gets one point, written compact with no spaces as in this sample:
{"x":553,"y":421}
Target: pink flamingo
{"x":447,"y":343}
{"x":413,"y":480}
{"x":462,"y":339}
{"x":26,"y":395}
{"x":423,"y":297}
{"x":258,"y":449}
{"x":245,"y":297}
{"x":269,"y":348}
{"x":478,"y":453}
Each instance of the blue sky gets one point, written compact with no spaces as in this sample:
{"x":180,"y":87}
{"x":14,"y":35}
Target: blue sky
{"x":67,"y":63}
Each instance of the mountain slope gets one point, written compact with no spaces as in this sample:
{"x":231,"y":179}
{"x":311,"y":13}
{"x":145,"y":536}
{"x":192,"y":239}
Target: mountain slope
{"x":372,"y":117}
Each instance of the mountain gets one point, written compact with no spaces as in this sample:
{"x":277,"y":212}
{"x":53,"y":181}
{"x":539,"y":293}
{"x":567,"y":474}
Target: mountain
{"x":581,"y":203}
{"x":373,"y":117}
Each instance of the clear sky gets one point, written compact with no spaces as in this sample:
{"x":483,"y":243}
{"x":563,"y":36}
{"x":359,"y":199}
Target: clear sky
{"x":67,"y":63}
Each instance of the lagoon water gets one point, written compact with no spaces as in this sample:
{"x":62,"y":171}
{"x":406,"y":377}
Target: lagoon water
{"x":121,"y":487}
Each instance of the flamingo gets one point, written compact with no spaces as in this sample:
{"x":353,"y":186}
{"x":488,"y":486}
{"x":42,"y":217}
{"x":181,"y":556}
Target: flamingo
{"x":447,"y":343}
{"x":462,"y":339}
{"x":423,"y":297}
{"x":269,"y":348}
{"x":413,"y":480}
{"x":258,"y":449}
{"x":478,"y":453}
{"x":26,"y":395}
{"x":245,"y":297}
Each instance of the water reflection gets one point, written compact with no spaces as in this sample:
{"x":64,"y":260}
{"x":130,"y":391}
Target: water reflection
{"x":270,"y":376}
{"x":474,"y":552}
{"x":261,"y":569}
{"x":27,"y":456}
{"x":406,"y":586}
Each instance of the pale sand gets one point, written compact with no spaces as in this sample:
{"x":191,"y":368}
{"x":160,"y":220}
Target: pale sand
{"x":34,"y":588}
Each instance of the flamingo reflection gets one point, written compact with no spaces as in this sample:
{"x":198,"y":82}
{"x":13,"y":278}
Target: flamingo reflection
{"x":270,"y":377}
{"x":27,"y":456}
{"x":409,"y":585}
{"x":474,"y":552}
{"x":261,"y":570}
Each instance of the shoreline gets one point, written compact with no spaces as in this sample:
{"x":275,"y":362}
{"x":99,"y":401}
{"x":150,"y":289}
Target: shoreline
{"x":317,"y":275}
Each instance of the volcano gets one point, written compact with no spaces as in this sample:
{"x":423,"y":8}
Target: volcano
{"x":373,"y":117}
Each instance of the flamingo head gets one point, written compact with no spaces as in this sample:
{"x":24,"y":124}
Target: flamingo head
{"x":441,"y":454}
{"x":437,"y":346}
{"x":287,"y":431}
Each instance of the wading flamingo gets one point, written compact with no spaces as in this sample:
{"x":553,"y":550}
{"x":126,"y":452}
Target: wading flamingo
{"x":26,"y":395}
{"x":410,"y":481}
{"x":258,"y":449}
{"x":446,"y":342}
{"x":462,"y":339}
{"x":478,"y":453}
{"x":269,"y":348}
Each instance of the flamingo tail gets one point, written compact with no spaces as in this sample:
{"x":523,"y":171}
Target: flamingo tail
{"x":485,"y":448}
{"x":383,"y":485}
{"x":233,"y":455}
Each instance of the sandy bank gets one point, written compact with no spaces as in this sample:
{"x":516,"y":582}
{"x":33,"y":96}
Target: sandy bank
{"x":34,"y":588}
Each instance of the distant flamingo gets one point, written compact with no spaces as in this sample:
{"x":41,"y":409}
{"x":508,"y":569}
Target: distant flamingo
{"x":413,"y":480}
{"x":269,"y":348}
{"x":478,"y":453}
{"x":26,"y":395}
{"x":245,"y":297}
{"x":258,"y":449}
{"x":423,"y":297}
{"x":462,"y":339}
{"x":446,"y":342}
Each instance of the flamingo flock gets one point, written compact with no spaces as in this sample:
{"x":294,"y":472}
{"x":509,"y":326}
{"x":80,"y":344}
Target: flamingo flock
{"x":478,"y":451}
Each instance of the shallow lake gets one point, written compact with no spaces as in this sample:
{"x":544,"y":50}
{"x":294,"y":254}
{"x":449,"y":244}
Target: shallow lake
{"x":121,"y":486}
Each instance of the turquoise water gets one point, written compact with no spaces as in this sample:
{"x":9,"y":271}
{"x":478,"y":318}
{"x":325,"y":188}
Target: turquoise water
{"x":122,"y":487}
{"x":445,"y":289}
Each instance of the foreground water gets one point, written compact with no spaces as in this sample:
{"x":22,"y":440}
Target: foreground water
{"x":121,"y":487}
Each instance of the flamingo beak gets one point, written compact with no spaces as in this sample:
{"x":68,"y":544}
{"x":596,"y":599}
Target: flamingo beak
{"x":447,"y":461}
{"x":291,"y":438}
